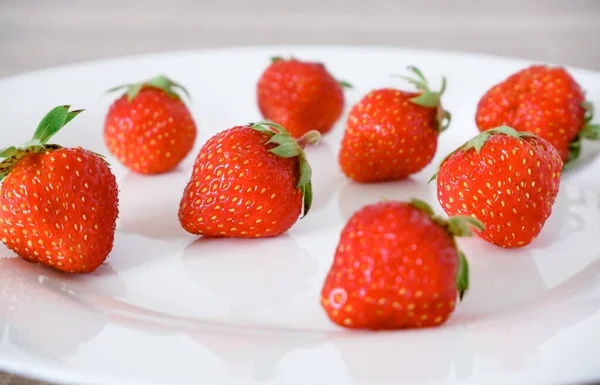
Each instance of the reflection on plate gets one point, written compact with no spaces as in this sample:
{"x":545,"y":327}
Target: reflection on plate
{"x":170,"y":308}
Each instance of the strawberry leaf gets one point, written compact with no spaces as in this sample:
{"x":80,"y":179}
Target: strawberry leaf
{"x":444,"y":119}
{"x":71,"y":115}
{"x":134,"y":90}
{"x":418,"y":72}
{"x":591,"y":131}
{"x":53,"y":121}
{"x":287,"y":150}
{"x":461,"y":225}
{"x":443,"y":87}
{"x":168,"y":85}
{"x":589,"y":110}
{"x":462,"y":278}
{"x":49,"y":125}
{"x":308,"y":197}
{"x":478,"y":141}
{"x":427,"y":99}
{"x":423,"y":206}
{"x":288,"y":147}
{"x":161,"y":82}
{"x":8,"y":152}
{"x":345,"y":84}
{"x":574,"y":151}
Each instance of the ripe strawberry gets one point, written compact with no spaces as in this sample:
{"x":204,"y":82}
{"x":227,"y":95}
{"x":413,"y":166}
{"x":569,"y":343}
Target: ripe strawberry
{"x":544,"y":100}
{"x":391,"y":134}
{"x":59,"y":205}
{"x":149,"y":128}
{"x":397,"y":266}
{"x":248,"y":181}
{"x":300,"y":95}
{"x":507,"y":179}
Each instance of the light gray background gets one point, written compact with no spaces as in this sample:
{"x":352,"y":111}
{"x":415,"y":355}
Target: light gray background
{"x":41,"y":33}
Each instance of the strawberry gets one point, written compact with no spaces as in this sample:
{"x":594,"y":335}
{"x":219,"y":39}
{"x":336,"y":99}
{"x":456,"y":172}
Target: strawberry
{"x":300,"y":95}
{"x":507,"y":179}
{"x":59,"y":205}
{"x":544,"y":100}
{"x":149,"y":128}
{"x":397,"y":266}
{"x":391,"y":134}
{"x":248,"y":181}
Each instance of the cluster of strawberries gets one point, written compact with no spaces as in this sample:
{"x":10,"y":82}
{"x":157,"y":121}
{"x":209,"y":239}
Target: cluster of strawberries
{"x":397,"y":264}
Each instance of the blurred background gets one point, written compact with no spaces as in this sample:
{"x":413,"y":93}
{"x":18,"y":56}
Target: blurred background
{"x":36,"y":34}
{"x":41,"y":33}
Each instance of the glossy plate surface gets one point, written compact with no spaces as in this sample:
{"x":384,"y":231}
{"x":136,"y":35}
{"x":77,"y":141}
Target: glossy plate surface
{"x":167,"y":308}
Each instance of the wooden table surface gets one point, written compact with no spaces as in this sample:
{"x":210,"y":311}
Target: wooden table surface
{"x":41,"y":33}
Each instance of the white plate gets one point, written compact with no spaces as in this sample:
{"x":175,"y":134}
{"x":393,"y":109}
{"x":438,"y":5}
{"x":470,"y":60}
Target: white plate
{"x":166,"y":309}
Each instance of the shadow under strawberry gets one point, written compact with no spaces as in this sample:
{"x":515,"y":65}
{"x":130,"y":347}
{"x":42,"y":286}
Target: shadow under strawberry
{"x":133,"y":251}
{"x":326,"y":174}
{"x":568,"y":215}
{"x":501,"y":282}
{"x":510,"y":309}
{"x":43,"y":319}
{"x":514,"y":340}
{"x":152,"y":204}
{"x":249,"y":274}
{"x":256,"y":355}
{"x":354,"y":196}
{"x":402,"y":357}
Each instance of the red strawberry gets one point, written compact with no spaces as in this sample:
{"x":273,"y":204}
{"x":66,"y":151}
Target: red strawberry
{"x":248,"y":181}
{"x":59,"y":205}
{"x":300,"y":95}
{"x":149,"y":128}
{"x":396,"y":266}
{"x":544,"y":100}
{"x":391,"y":134}
{"x":507,"y":179}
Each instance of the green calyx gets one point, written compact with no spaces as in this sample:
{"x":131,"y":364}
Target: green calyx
{"x":589,"y":131}
{"x":429,"y":98}
{"x":50,"y":124}
{"x":478,"y":141}
{"x":161,"y":82}
{"x":457,"y":226}
{"x":288,"y":147}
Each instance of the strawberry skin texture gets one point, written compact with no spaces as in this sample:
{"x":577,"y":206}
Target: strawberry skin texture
{"x":540,"y":99}
{"x":60,"y":208}
{"x":239,"y":189}
{"x":510,"y":186}
{"x":394,"y":268}
{"x":388,"y":137}
{"x":151,"y":134}
{"x":301,"y":96}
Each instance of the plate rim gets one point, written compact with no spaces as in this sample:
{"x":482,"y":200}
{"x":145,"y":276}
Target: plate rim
{"x":115,"y":59}
{"x":75,"y":375}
